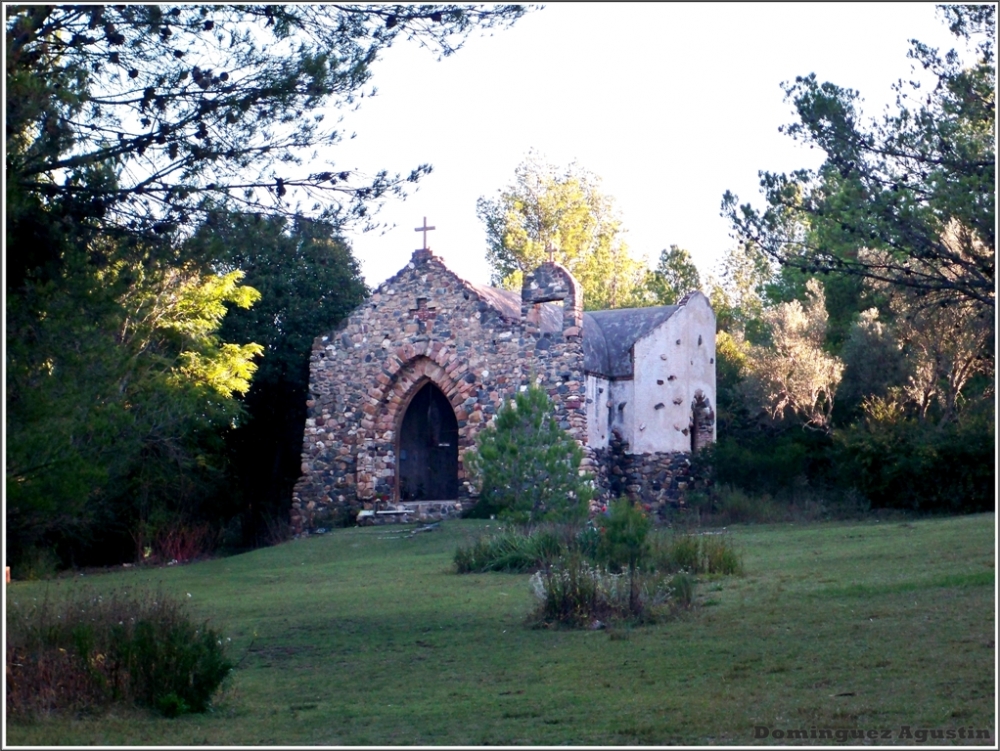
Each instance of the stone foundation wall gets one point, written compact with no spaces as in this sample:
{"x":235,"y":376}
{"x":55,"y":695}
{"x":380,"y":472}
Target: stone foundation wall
{"x":657,"y":480}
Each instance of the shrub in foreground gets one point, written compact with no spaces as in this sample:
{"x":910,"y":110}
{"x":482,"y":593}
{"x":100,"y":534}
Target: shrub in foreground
{"x":623,"y":534}
{"x":576,"y":593}
{"x":623,"y":544}
{"x":92,"y":651}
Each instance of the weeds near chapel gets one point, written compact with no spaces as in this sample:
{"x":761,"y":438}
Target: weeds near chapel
{"x":695,"y":553}
{"x":611,"y":570}
{"x":512,"y":549}
{"x":577,"y":593}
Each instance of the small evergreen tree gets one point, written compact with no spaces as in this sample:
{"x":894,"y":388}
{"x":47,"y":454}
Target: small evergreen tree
{"x":527,"y":467}
{"x":623,"y":543}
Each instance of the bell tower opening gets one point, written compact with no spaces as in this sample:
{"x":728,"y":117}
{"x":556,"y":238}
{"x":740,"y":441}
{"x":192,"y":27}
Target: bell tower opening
{"x":702,"y":421}
{"x":428,"y":448}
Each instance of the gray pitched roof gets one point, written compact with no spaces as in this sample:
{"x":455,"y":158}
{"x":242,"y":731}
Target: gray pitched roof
{"x":509,"y":305}
{"x":608,"y":335}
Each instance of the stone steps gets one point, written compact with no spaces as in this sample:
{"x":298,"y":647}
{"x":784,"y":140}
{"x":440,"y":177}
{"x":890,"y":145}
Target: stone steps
{"x":405,"y":512}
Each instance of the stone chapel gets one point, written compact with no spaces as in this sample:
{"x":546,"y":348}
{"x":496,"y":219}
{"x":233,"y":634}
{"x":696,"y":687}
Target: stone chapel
{"x":399,"y":391}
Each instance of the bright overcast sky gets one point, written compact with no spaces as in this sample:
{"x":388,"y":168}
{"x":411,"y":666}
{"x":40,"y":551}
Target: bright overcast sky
{"x":670,"y":104}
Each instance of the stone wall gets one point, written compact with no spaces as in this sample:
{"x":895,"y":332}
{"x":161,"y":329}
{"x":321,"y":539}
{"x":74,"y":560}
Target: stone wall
{"x":427,"y":324}
{"x":553,"y":356}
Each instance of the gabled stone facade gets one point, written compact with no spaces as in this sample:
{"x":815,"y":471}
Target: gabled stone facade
{"x":379,"y":440}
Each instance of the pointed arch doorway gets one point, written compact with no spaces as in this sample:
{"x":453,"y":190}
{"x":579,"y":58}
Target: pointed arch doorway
{"x":428,"y":448}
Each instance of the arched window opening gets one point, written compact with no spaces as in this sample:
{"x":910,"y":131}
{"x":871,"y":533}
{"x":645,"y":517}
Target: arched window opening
{"x":702,"y":420}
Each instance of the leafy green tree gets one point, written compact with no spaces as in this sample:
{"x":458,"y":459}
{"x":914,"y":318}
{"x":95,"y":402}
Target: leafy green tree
{"x":114,"y":398}
{"x":563,"y":213}
{"x":910,"y":200}
{"x":136,"y":117}
{"x":730,"y":370}
{"x":308,"y":280}
{"x":674,"y":276}
{"x":874,"y":362}
{"x":526,"y":467}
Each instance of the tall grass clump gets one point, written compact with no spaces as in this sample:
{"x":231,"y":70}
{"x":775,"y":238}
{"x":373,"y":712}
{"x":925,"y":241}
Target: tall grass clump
{"x":723,"y":505}
{"x":729,"y":504}
{"x":613,"y":568}
{"x":682,"y":587}
{"x":623,"y":544}
{"x":675,"y":552}
{"x":511,"y":549}
{"x":91,"y":651}
{"x":605,"y":575}
{"x":718,"y":556}
{"x":576,"y":593}
{"x":694,"y":553}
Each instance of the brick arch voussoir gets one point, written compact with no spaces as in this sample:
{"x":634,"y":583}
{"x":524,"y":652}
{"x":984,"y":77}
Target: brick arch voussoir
{"x":410,"y":378}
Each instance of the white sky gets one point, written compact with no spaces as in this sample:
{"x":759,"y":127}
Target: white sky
{"x":671,"y":104}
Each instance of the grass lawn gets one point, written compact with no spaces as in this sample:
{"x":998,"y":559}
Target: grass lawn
{"x":367,"y":637}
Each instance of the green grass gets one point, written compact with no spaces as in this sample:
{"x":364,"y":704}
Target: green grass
{"x":367,"y":637}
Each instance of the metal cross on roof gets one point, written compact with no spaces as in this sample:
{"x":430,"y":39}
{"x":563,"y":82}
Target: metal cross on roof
{"x":424,"y":229}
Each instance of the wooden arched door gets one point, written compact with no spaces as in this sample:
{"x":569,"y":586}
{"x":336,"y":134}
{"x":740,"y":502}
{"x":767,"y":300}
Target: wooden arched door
{"x":428,"y":448}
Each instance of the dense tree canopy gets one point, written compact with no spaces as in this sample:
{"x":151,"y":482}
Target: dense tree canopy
{"x":132,"y":116}
{"x":891,"y":363}
{"x":308,"y":281}
{"x":115,"y":396}
{"x":909,"y":200}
